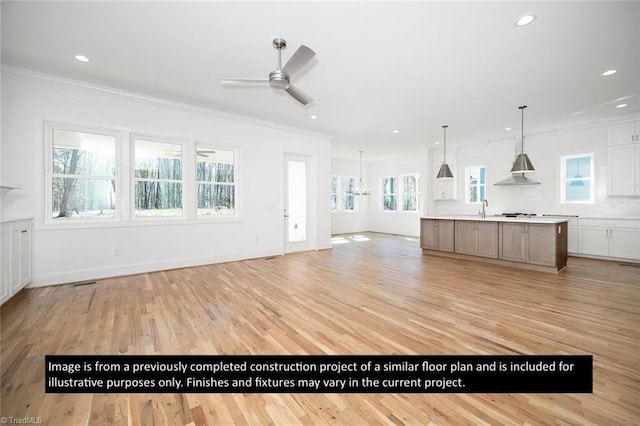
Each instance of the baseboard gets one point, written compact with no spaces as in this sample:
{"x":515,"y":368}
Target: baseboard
{"x":108,"y":272}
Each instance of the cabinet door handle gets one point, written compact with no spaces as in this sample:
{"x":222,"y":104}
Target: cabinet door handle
{"x":24,"y":231}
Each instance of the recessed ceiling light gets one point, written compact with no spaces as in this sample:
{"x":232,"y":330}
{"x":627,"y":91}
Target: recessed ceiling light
{"x":82,"y":58}
{"x":437,"y":143}
{"x":507,"y":128}
{"x":609,"y":72}
{"x":314,"y":117}
{"x":621,"y":105}
{"x":525,"y":20}
{"x":396,"y":131}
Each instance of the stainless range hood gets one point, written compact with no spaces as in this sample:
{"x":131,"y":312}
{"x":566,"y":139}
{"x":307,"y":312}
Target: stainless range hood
{"x":517,"y":179}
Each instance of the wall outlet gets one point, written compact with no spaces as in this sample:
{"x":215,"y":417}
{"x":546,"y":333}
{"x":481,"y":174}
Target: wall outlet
{"x":116,"y":251}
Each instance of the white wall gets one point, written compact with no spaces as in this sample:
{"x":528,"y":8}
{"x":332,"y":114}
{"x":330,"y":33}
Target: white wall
{"x":348,"y":222}
{"x":544,"y":150}
{"x":64,"y":255}
{"x":398,"y":222}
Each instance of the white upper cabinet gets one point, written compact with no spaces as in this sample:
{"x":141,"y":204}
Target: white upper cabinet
{"x":624,"y":159}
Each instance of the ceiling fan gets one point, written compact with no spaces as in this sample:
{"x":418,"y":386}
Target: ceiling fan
{"x":279,"y":79}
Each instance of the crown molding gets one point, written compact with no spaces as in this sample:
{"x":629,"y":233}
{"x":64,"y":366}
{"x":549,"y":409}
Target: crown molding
{"x":158,"y":101}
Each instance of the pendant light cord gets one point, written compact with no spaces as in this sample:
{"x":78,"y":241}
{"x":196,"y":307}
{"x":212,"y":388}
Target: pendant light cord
{"x":444,"y":157}
{"x":522,"y":130}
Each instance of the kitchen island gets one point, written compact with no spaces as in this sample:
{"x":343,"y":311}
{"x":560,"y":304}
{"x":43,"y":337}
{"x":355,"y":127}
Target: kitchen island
{"x":539,"y":242}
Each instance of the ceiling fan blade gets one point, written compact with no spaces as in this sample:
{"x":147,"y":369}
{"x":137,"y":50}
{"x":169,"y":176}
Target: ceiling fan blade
{"x":298,"y":60}
{"x":242,"y":81}
{"x":299,"y":95}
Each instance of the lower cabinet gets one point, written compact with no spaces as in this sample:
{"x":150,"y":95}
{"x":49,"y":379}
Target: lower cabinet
{"x":538,"y":244}
{"x":618,"y":238}
{"x":15,"y":257}
{"x":437,"y":234}
{"x":541,"y":244}
{"x":476,"y":238}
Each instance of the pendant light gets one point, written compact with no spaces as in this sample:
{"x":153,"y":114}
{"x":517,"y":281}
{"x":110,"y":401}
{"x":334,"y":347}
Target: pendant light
{"x":522,"y":163}
{"x":577,"y":177}
{"x":445,"y":171}
{"x":360,"y":188}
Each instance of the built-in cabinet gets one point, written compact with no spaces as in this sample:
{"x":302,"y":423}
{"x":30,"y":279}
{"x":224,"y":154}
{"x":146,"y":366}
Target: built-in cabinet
{"x":533,"y":243}
{"x":624,"y":159}
{"x":437,"y":234}
{"x":476,"y":238}
{"x":617,"y":238}
{"x":15,"y":256}
{"x":541,"y":244}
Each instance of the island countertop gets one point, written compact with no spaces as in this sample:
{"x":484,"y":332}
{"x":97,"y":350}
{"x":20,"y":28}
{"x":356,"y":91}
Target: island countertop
{"x":489,"y":218}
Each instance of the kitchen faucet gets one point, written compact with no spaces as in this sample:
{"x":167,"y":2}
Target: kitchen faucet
{"x":483,"y":213}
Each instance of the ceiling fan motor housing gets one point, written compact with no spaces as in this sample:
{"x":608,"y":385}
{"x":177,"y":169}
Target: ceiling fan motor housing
{"x":278,"y":79}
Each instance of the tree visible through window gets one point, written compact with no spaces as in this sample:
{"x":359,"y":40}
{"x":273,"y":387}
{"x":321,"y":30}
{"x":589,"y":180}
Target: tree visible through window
{"x":389,"y":193}
{"x":410,"y":192}
{"x":348,"y":199}
{"x":476,"y":184}
{"x":215,"y":175}
{"x":157,"y":182}
{"x":334,"y":193}
{"x":83,"y":174}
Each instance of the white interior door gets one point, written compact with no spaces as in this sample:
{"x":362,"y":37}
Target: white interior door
{"x":297,"y":210}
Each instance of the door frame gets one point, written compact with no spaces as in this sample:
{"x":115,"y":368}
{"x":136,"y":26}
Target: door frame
{"x":311,"y":217}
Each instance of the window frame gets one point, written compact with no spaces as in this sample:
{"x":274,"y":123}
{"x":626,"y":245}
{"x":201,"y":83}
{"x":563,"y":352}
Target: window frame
{"x":183,"y":181}
{"x":335,"y":194}
{"x":467,"y":184}
{"x":383,"y":194}
{"x":403,"y":193}
{"x":49,"y":175}
{"x":344,"y":194}
{"x":564,"y":180}
{"x":196,"y":182}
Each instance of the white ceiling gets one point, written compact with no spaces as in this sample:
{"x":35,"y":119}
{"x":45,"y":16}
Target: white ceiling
{"x":379,"y":66}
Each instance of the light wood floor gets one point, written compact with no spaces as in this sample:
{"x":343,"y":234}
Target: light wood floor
{"x":378,"y":295}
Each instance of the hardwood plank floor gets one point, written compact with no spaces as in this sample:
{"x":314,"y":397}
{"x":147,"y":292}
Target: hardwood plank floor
{"x":375,"y":294}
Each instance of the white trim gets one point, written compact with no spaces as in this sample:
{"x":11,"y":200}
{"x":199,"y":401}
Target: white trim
{"x":138,"y":268}
{"x":49,"y":127}
{"x":159,"y":101}
{"x":563,"y":178}
{"x":237,"y":181}
{"x":132,"y":182}
{"x":479,"y":185}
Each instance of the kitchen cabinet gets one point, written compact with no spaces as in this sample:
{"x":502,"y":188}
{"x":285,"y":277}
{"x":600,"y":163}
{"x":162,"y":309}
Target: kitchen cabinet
{"x":615,"y":238}
{"x":437,"y":234}
{"x":534,"y":243}
{"x":624,"y":159}
{"x":476,"y":238}
{"x":15,"y":256}
{"x":444,"y":189}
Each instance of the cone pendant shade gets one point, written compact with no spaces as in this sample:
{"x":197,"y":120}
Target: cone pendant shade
{"x":445,"y":171}
{"x":522,"y":163}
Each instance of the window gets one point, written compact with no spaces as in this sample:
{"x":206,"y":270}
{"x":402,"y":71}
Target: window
{"x":215,"y":175}
{"x":389,"y":193}
{"x":409,"y":192}
{"x":334,"y":193}
{"x":475,"y":184}
{"x":157,"y":180}
{"x":577,"y":179}
{"x":348,"y":199}
{"x":82,"y":173}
